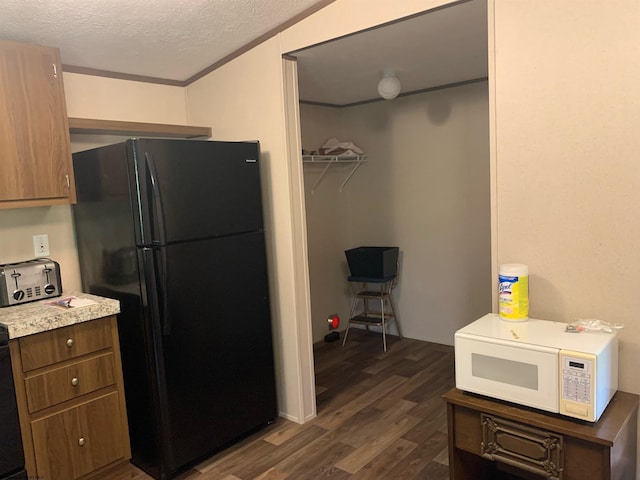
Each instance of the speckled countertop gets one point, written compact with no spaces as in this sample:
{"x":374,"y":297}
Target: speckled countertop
{"x":36,"y":317}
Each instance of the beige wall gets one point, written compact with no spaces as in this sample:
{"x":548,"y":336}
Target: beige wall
{"x":87,"y":97}
{"x":317,"y":125}
{"x":256,"y":109}
{"x":343,"y":17}
{"x":425,"y":188}
{"x":565,"y":122}
{"x":17,"y":227}
{"x":564,"y":102}
{"x":114,"y":99}
{"x":241,"y":100}
{"x":327,"y":213}
{"x":244,"y":100}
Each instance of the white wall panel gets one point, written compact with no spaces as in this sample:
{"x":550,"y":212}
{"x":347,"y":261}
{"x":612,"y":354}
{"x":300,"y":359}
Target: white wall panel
{"x":425,"y":188}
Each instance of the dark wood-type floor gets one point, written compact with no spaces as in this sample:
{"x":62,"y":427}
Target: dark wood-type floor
{"x":380,"y":416}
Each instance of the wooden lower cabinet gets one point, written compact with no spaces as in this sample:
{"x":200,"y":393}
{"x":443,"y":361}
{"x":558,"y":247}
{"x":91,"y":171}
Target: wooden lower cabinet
{"x":78,"y":440}
{"x":72,"y":411}
{"x":494,"y":440}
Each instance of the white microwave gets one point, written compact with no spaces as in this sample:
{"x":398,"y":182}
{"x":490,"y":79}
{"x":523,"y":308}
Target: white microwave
{"x":538,"y":364}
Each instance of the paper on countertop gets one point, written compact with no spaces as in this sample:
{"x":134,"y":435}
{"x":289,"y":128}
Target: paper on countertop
{"x":71,"y":302}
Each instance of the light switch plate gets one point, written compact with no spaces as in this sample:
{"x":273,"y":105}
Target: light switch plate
{"x":41,"y":245}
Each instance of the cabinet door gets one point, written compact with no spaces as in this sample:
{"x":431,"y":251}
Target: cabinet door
{"x":79,"y":440}
{"x":35,"y":153}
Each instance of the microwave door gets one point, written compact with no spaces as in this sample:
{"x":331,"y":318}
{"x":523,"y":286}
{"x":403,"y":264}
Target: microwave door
{"x":521,"y":373}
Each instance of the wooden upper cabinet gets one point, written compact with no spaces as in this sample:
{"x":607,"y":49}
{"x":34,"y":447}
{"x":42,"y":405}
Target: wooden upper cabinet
{"x":35,"y":152}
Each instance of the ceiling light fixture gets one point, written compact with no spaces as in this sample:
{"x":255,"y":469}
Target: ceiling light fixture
{"x":389,"y":85}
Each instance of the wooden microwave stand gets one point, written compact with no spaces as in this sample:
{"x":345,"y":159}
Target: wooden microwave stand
{"x":490,"y":439}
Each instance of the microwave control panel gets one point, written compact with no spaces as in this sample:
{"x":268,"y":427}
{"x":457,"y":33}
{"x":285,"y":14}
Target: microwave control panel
{"x":577,"y":384}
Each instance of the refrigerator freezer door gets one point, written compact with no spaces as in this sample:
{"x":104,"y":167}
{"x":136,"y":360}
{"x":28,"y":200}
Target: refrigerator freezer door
{"x":218,"y":356}
{"x":190,"y":190}
{"x":104,"y":217}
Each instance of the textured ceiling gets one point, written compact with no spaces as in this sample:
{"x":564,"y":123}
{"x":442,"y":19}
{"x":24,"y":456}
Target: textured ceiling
{"x":177,"y":39}
{"x":441,"y":47}
{"x":169,"y":39}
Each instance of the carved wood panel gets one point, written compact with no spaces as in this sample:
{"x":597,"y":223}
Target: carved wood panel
{"x":531,"y":449}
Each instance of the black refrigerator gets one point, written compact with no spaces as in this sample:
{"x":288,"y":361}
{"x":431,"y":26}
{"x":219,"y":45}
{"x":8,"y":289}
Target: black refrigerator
{"x":174,"y":230}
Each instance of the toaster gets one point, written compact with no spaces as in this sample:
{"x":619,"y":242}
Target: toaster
{"x":28,"y":281}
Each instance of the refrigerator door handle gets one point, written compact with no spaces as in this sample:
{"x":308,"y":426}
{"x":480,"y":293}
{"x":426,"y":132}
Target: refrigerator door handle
{"x":158,"y":379}
{"x":160,"y":257}
{"x":151,"y":281}
{"x":164,"y":290}
{"x":155,"y":267}
{"x":155,"y":202}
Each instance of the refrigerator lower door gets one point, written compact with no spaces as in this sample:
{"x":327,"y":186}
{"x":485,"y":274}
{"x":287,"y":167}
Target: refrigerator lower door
{"x":218,"y":356}
{"x":140,"y":348}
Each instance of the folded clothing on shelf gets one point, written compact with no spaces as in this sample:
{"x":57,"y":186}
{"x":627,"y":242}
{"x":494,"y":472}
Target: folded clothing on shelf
{"x":335,"y":147}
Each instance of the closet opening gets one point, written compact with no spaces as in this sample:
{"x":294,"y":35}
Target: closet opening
{"x":418,"y":176}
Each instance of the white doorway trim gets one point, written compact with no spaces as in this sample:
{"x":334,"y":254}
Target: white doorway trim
{"x":302,"y":295}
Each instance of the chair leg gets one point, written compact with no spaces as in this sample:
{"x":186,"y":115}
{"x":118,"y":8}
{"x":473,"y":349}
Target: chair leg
{"x":365,"y":310}
{"x":384,"y":336}
{"x":354,"y":305}
{"x":384,"y":324}
{"x":346,"y":332}
{"x":395,"y":317}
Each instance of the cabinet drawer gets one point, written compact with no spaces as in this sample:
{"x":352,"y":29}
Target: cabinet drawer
{"x":81,"y":439}
{"x":522,"y":446}
{"x":65,"y":383}
{"x":64,"y":343}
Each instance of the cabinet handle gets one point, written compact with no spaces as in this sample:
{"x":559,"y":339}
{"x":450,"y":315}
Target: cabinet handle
{"x":75,"y":381}
{"x":68,"y":181}
{"x":81,"y":441}
{"x":55,"y":70}
{"x":69,"y":342}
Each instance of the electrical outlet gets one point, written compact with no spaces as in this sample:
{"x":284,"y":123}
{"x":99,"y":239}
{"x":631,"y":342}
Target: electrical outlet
{"x":41,"y":245}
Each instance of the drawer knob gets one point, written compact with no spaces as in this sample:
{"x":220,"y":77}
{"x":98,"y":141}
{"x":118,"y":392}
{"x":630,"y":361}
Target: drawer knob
{"x":69,"y":342}
{"x":75,"y":381}
{"x":81,"y":441}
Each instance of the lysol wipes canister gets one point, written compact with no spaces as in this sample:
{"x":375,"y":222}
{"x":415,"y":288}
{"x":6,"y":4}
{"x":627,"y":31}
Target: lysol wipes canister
{"x":513,"y":292}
